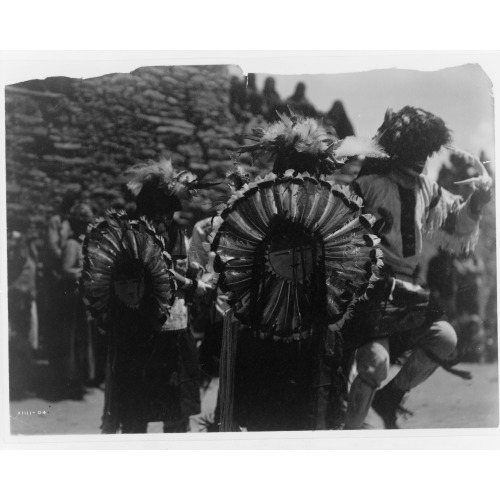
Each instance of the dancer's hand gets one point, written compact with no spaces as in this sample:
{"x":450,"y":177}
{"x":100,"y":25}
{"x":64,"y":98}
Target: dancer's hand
{"x":203,"y":288}
{"x":480,"y":197}
{"x":406,"y":294}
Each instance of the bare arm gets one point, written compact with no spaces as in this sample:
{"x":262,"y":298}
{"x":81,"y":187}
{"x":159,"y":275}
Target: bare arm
{"x":70,"y":261}
{"x":54,"y":237}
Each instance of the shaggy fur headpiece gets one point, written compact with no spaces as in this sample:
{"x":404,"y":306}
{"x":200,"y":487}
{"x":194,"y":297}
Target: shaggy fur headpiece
{"x":412,"y":134}
{"x":302,"y":144}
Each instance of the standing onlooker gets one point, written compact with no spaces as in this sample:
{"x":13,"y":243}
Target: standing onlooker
{"x":59,"y":229}
{"x":21,"y":295}
{"x":237,"y":98}
{"x":491,"y":326}
{"x":339,"y":120}
{"x":50,"y":312}
{"x":255,"y":100}
{"x":299,"y":103}
{"x":455,"y":281}
{"x":272,"y":100}
{"x":74,"y":357}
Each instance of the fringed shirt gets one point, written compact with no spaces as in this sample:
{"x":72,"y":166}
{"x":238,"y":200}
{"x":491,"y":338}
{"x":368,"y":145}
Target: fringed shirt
{"x":411,"y":209}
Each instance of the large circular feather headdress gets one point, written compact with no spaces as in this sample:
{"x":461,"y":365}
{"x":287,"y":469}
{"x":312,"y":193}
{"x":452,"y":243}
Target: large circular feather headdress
{"x":294,"y":253}
{"x":126,"y":259}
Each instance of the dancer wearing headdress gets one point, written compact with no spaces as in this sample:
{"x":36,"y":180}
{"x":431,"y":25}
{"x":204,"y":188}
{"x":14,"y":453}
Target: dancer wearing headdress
{"x":409,"y":207}
{"x":135,"y":284}
{"x":294,"y":254}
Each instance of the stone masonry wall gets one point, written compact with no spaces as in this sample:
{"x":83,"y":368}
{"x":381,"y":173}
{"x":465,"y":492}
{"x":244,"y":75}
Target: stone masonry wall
{"x":62,"y":133}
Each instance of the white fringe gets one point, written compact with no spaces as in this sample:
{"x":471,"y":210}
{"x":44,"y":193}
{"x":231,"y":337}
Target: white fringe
{"x":452,"y":242}
{"x":455,"y":243}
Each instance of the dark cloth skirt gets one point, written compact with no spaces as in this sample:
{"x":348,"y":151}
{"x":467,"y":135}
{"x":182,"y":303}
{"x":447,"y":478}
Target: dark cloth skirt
{"x":152,"y":381}
{"x":282,"y":386}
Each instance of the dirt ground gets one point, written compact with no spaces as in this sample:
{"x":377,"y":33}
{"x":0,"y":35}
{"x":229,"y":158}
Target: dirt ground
{"x":444,"y":401}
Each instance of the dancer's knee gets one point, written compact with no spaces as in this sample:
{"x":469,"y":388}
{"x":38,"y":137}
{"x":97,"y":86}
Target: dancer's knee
{"x":373,"y":364}
{"x":444,"y":339}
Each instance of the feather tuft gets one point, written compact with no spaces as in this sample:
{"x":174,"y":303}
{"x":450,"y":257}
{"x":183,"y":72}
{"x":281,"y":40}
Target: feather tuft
{"x":358,"y":146}
{"x":238,"y":177}
{"x":295,"y":142}
{"x":158,"y":188}
{"x":160,"y":173}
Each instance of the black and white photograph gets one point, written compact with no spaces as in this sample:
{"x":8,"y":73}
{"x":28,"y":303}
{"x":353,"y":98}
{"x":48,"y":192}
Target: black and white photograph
{"x":222,"y":248}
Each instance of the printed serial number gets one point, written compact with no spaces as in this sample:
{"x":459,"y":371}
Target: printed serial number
{"x":38,"y":412}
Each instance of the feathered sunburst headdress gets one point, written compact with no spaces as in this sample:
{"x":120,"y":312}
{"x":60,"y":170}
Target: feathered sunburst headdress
{"x":293,"y":252}
{"x":412,"y":134}
{"x":159,"y":189}
{"x":126,"y":260}
{"x":299,"y":143}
